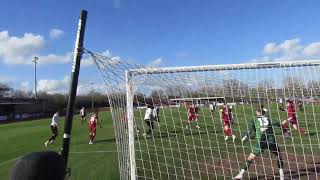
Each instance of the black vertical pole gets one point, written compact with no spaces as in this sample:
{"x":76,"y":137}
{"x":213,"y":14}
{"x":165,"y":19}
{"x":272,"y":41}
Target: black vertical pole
{"x":73,"y":85}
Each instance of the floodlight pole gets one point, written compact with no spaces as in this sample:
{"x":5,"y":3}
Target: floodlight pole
{"x":73,"y":85}
{"x":35,"y":60}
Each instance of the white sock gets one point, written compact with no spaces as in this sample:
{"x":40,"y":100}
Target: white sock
{"x":281,"y":172}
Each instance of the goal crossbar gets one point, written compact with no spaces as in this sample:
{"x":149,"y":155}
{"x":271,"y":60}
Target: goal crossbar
{"x":265,"y":65}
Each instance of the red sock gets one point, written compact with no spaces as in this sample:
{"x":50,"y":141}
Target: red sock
{"x":285,"y":128}
{"x":225,"y":132}
{"x":301,"y":130}
{"x":230,"y":133}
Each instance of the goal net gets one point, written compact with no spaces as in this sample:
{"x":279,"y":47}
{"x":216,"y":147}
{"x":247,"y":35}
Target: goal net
{"x":193,"y":122}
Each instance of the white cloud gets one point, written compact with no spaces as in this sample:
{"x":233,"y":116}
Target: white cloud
{"x":25,"y":86}
{"x":55,"y":33}
{"x":87,"y":61}
{"x":86,"y":88}
{"x":54,"y":86}
{"x":156,"y":62}
{"x":21,"y":50}
{"x":108,"y":54}
{"x":270,"y":48}
{"x":55,"y":59}
{"x":312,"y":49}
{"x":288,"y":50}
{"x":263,"y":59}
{"x":290,"y":46}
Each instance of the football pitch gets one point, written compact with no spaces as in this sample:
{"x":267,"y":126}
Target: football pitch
{"x":180,"y":153}
{"x":98,"y":161}
{"x":175,"y":152}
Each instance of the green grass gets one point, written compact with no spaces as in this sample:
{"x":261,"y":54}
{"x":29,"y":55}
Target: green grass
{"x":18,"y":139}
{"x":197,"y":154}
{"x":174,"y":153}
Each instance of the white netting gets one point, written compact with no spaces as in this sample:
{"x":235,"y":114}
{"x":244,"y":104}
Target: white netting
{"x":176,"y":150}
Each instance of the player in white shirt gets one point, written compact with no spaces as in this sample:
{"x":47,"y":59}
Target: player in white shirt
{"x":155,"y":113}
{"x":149,"y":119}
{"x":211,"y":107}
{"x":281,"y":104}
{"x":83,"y":115}
{"x":54,"y":129}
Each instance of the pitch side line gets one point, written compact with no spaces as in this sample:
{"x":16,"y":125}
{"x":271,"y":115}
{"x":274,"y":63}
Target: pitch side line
{"x":160,"y":149}
{"x":88,"y":152}
{"x":10,"y":160}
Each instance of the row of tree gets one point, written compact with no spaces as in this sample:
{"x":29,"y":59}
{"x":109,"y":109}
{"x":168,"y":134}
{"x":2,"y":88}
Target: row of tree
{"x":54,"y":101}
{"x":232,"y":88}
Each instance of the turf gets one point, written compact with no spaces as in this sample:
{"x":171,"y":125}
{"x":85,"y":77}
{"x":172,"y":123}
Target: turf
{"x":179,"y":153}
{"x":174,"y":152}
{"x":18,"y":139}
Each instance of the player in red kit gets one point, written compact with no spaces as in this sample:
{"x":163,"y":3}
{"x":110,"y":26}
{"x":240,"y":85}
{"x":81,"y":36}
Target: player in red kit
{"x":292,"y":118}
{"x":93,"y":126}
{"x":225,"y":118}
{"x":192,"y":116}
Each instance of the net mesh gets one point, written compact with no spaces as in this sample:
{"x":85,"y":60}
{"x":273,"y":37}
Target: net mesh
{"x":180,"y":128}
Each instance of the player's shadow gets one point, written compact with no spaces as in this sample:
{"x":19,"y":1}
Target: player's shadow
{"x":313,"y":133}
{"x":185,"y":132}
{"x":293,"y":174}
{"x":105,"y":140}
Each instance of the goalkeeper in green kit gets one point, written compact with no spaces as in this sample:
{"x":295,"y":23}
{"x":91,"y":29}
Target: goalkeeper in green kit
{"x":262,"y":126}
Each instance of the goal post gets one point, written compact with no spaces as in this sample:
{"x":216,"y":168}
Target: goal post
{"x":130,"y":93}
{"x":158,"y":138}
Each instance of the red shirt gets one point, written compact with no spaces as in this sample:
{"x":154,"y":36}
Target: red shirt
{"x":225,"y":113}
{"x":93,"y":122}
{"x":191,"y":110}
{"x":291,"y":110}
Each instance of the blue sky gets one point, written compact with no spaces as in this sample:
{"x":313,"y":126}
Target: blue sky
{"x":173,"y":32}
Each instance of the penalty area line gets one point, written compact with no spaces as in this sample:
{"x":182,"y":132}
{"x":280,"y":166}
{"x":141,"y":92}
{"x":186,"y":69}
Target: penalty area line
{"x":10,"y":160}
{"x":88,"y":152}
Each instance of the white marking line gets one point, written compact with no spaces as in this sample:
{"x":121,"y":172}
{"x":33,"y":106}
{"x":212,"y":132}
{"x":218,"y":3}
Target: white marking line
{"x":165,"y":149}
{"x":10,"y":160}
{"x":88,"y":152}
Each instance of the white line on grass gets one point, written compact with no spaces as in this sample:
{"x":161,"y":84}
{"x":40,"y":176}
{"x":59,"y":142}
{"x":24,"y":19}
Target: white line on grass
{"x":10,"y":160}
{"x":88,"y":152}
{"x":166,"y":149}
